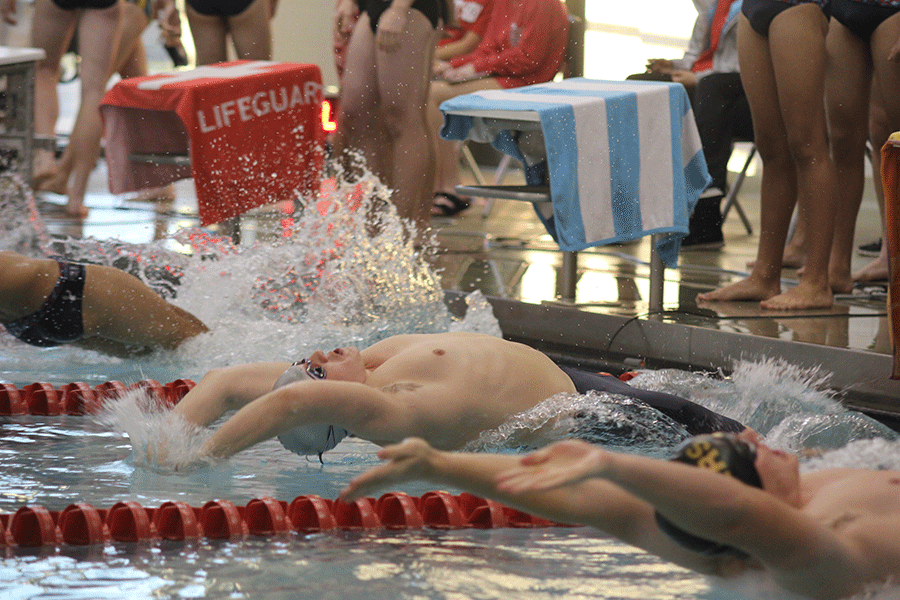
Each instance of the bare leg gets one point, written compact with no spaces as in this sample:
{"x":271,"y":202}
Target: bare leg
{"x":389,"y":127}
{"x":802,"y":104}
{"x":362,"y":130}
{"x":119,"y":307}
{"x":210,"y":37}
{"x":251,"y":32}
{"x":403,"y":81}
{"x":130,"y":61}
{"x":131,"y":58}
{"x":791,"y":137}
{"x":885,"y":119}
{"x":847,"y":96}
{"x":51,"y":30}
{"x":778,"y":184}
{"x":103,"y":29}
{"x":447,"y":176}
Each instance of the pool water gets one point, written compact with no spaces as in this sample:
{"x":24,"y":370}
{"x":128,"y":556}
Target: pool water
{"x":53,"y":461}
{"x":332,"y":284}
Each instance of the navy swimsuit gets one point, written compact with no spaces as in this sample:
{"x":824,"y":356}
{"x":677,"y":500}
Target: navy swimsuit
{"x":694,"y":418}
{"x":59,"y":320}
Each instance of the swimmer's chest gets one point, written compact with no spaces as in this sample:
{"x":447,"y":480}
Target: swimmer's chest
{"x":430,"y":363}
{"x":862,"y":493}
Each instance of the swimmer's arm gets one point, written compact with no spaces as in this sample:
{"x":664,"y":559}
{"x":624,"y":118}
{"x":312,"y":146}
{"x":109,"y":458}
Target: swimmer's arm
{"x":226,"y":389}
{"x":593,"y":503}
{"x":467,"y":43}
{"x":368,"y":413}
{"x":801,"y":554}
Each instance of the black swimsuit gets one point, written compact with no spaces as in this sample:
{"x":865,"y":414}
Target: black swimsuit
{"x":863,"y":18}
{"x":760,"y":13}
{"x":434,"y":10}
{"x":215,"y":8}
{"x":59,"y":320}
{"x":694,"y":418}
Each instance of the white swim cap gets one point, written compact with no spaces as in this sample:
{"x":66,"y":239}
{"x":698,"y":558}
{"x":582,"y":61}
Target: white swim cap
{"x":313,"y":439}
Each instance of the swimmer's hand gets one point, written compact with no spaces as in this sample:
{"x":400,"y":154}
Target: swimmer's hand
{"x":158,"y":459}
{"x":409,"y":460}
{"x":465,"y":72}
{"x":560,"y":464}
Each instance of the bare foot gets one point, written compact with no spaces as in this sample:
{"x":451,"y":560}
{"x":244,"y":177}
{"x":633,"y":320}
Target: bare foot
{"x":158,"y":194}
{"x":77,"y":210}
{"x":839,"y":278}
{"x":747,"y":289}
{"x":877,"y":270}
{"x":49,"y":181}
{"x":804,"y":296}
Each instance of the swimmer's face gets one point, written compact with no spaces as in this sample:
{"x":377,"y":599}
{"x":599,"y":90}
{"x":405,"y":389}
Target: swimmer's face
{"x":341,"y":364}
{"x":778,"y":470}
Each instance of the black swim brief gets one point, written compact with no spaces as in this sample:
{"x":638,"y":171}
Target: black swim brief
{"x":863,"y":18}
{"x":434,"y":10}
{"x":760,"y":13}
{"x":694,"y":418}
{"x":215,"y":8}
{"x":77,"y":4}
{"x":59,"y":319}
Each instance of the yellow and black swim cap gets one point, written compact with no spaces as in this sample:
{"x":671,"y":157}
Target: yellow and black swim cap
{"x":723,"y":453}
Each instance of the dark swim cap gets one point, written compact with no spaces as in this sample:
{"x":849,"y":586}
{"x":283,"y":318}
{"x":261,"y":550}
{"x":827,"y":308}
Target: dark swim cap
{"x":723,"y":453}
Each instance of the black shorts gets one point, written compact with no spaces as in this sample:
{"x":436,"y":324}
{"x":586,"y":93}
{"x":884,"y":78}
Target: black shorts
{"x":212,"y":8}
{"x":77,"y":4}
{"x":760,"y":13}
{"x":862,"y":18}
{"x":694,"y":418}
{"x":59,"y":320}
{"x":434,"y":10}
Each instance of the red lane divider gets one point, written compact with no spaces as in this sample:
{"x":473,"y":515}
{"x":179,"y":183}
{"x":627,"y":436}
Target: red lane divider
{"x":81,"y":524}
{"x":79,"y":398}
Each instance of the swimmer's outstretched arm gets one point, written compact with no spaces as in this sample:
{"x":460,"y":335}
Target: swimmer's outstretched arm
{"x":803,"y":555}
{"x":366,"y":412}
{"x":226,"y":389}
{"x":594,"y":503}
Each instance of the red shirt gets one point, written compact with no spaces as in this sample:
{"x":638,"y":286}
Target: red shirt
{"x":473,"y":15}
{"x":525,"y":42}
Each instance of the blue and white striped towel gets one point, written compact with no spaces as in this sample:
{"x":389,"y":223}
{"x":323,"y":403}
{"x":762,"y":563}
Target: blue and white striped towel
{"x":624,"y":157}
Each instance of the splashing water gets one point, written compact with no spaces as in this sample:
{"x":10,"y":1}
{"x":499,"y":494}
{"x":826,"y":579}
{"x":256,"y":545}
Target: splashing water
{"x":789,"y":405}
{"x":610,"y":420}
{"x":158,"y":436}
{"x":330,"y":278}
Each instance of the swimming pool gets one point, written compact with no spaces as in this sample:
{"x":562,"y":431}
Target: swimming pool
{"x":258,"y":311}
{"x":52,"y":461}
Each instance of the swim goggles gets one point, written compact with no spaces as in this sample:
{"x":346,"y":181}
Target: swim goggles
{"x":314,"y":371}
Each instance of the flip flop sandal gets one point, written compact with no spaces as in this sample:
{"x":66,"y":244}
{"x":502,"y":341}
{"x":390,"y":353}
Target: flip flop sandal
{"x":448,"y":205}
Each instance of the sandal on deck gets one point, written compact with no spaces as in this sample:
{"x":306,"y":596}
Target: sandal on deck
{"x":448,"y":205}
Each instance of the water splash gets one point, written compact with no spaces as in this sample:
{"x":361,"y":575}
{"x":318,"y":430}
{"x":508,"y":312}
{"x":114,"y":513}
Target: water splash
{"x":610,"y":420}
{"x":343,"y":271}
{"x":791,"y":406}
{"x":160,"y":439}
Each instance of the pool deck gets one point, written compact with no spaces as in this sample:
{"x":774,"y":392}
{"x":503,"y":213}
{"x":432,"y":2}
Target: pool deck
{"x":508,"y":256}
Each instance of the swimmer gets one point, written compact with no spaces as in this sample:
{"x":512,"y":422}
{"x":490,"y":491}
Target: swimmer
{"x":825,"y":534}
{"x":48,"y":302}
{"x":445,"y":387}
